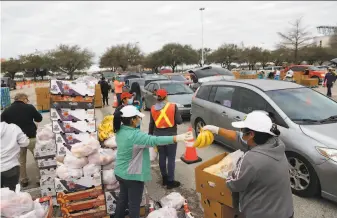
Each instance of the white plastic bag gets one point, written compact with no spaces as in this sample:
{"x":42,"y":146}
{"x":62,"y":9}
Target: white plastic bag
{"x":153,"y":154}
{"x":109,"y":177}
{"x":75,"y":162}
{"x":85,"y":149}
{"x":45,"y":144}
{"x":45,"y":133}
{"x":15,"y":203}
{"x":109,"y":166}
{"x":112,"y":187}
{"x":65,"y":173}
{"x":164,"y":212}
{"x":111,"y":142}
{"x":38,"y":212}
{"x":102,"y":157}
{"x":174,"y":200}
{"x":91,"y":169}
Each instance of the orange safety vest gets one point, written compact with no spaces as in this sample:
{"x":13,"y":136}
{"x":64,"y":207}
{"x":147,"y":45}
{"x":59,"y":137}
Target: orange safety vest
{"x":165,"y":117}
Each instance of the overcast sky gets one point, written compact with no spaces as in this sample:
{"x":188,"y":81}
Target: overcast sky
{"x":26,"y":26}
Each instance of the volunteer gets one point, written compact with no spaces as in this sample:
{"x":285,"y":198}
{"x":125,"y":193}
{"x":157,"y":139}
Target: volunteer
{"x":12,"y":139}
{"x":126,"y":99}
{"x":132,"y":166}
{"x":163,"y":122}
{"x":329,"y":80}
{"x":118,"y":89}
{"x":104,"y":90}
{"x":137,"y":95}
{"x":262,"y":174}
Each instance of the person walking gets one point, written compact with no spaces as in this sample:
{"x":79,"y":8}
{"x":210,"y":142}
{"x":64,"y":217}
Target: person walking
{"x":329,"y":80}
{"x":12,"y":138}
{"x":137,"y":95}
{"x":132,"y":166}
{"x":163,"y":122}
{"x":118,"y":89}
{"x":23,"y":115}
{"x":262,"y":175}
{"x":105,"y":91}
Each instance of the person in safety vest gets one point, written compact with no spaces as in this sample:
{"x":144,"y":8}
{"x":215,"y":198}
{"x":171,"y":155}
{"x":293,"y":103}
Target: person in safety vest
{"x":118,"y":89}
{"x":261,"y":178}
{"x":163,"y":122}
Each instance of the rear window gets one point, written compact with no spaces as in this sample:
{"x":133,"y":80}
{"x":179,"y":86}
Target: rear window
{"x":203,"y":92}
{"x":178,"y":78}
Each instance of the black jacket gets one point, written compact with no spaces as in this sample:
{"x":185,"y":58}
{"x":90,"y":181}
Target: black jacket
{"x":105,"y":87}
{"x":171,"y":131}
{"x":23,"y":115}
{"x":330,"y":78}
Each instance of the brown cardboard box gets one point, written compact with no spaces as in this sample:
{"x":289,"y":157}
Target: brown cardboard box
{"x":214,"y":209}
{"x":42,"y":90}
{"x":210,"y":185}
{"x":309,"y":82}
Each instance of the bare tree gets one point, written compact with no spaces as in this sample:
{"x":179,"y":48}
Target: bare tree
{"x":296,"y":38}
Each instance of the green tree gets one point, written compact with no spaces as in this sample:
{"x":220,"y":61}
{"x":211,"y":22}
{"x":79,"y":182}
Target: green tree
{"x":281,"y":55}
{"x":316,"y":54}
{"x":333,"y":41}
{"x":174,"y":54}
{"x":122,"y":55}
{"x":207,"y":53}
{"x":225,"y":55}
{"x":36,"y":64}
{"x":11,"y":67}
{"x":296,"y":38}
{"x":251,"y":56}
{"x":153,"y":61}
{"x":265,"y":57}
{"x":68,"y":58}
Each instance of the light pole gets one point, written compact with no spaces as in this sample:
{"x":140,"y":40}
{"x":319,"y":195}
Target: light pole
{"x":202,"y":36}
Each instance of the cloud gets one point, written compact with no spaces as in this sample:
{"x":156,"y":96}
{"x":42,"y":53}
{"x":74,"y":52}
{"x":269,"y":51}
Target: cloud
{"x":27,"y":26}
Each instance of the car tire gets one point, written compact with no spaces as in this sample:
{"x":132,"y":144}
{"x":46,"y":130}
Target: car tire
{"x":145,"y":108}
{"x":304,"y":170}
{"x":198,"y":123}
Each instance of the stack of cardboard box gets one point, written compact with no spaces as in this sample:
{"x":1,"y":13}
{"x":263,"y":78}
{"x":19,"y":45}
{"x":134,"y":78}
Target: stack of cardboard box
{"x":42,"y":98}
{"x":98,"y":96}
{"x":216,"y":198}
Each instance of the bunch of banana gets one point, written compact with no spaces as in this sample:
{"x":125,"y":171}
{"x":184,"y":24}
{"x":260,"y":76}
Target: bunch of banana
{"x":105,"y":128}
{"x":204,"y":139}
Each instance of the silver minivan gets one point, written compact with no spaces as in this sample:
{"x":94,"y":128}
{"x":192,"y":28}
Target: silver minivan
{"x":307,"y":121}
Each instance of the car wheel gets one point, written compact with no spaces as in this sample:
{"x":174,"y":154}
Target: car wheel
{"x":303,"y":178}
{"x":145,"y":108}
{"x":198,"y":125}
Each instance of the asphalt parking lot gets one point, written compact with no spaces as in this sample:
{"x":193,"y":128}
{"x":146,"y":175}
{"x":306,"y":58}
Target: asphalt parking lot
{"x":304,"y":208}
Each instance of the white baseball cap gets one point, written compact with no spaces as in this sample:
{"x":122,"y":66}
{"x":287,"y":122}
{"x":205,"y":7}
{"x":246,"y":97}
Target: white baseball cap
{"x":131,"y":111}
{"x":258,"y":121}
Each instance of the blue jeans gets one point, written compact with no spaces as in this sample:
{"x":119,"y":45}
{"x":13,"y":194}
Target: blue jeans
{"x":167,"y":152}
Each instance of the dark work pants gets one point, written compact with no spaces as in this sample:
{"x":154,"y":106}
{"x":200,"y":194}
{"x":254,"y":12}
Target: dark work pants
{"x":105,"y":98}
{"x":118,"y":96}
{"x":10,"y":178}
{"x":329,"y":90}
{"x":167,"y":152}
{"x":130,"y":196}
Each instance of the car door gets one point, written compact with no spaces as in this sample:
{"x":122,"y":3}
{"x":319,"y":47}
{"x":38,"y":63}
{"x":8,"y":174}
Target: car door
{"x":221,"y":97}
{"x":152,"y":97}
{"x":147,"y":93}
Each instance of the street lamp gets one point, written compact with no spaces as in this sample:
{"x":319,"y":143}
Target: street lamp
{"x":202,"y":36}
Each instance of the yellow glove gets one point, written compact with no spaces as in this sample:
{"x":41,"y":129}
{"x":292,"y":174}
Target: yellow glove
{"x":155,"y":149}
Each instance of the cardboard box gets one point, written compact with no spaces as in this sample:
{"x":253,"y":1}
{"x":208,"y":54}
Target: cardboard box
{"x":49,"y":170}
{"x":214,"y":209}
{"x":93,"y":213}
{"x":111,"y":198}
{"x":72,"y":88}
{"x":65,"y":114}
{"x":49,"y":149}
{"x":63,"y":198}
{"x":48,"y":190}
{"x":309,"y":82}
{"x":78,"y":102}
{"x":41,"y":90}
{"x":70,"y":207}
{"x":49,"y":203}
{"x":83,"y":183}
{"x":210,"y":185}
{"x":74,"y":127}
{"x":46,"y":161}
{"x":73,"y":138}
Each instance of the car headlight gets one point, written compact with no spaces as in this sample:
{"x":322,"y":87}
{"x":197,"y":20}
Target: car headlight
{"x":179,"y":105}
{"x":328,"y":153}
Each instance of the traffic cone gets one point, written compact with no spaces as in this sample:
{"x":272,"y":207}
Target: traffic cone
{"x":21,"y":85}
{"x":190,"y":155}
{"x":115,"y":104}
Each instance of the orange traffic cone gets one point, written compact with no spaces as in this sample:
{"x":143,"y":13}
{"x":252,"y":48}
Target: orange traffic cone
{"x":115,"y":104}
{"x":21,"y":85}
{"x":190,"y":155}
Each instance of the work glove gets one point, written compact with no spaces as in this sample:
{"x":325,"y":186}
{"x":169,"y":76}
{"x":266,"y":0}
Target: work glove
{"x":184,"y":137}
{"x":213,"y":129}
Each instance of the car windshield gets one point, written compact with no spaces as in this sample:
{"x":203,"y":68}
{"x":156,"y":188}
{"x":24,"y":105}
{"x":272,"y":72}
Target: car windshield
{"x":304,"y":104}
{"x":178,"y":78}
{"x":315,"y":68}
{"x":154,"y":77}
{"x":176,"y":88}
{"x":140,"y":82}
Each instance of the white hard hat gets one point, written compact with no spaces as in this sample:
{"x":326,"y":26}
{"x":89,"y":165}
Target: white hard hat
{"x":131,"y":111}
{"x":258,"y":121}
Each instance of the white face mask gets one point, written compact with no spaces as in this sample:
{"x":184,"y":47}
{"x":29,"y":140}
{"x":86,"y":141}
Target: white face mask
{"x":241,"y":137}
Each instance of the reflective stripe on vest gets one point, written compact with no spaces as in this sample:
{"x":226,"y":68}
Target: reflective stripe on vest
{"x":165,"y":117}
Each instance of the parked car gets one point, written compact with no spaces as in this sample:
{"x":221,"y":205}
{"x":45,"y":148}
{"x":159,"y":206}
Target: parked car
{"x":178,"y":93}
{"x":307,"y":121}
{"x":178,"y":77}
{"x":9,"y":82}
{"x":129,"y":82}
{"x":314,"y":72}
{"x":123,"y":78}
{"x":208,"y":71}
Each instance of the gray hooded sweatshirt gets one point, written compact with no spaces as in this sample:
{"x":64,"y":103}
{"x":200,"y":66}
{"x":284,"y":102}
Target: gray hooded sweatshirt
{"x":262,"y":181}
